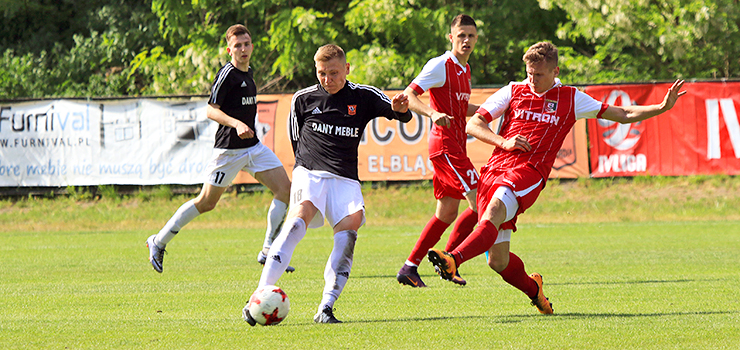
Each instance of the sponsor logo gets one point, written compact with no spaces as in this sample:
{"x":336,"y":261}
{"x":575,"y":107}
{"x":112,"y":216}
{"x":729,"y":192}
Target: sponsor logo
{"x":336,"y":130}
{"x":620,"y":136}
{"x":316,"y":111}
{"x":537,"y":117}
{"x":244,"y":84}
{"x":249,"y":100}
{"x":629,"y":163}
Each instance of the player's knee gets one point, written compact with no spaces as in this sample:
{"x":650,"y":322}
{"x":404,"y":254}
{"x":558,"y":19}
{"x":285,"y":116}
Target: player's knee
{"x":447,"y":217}
{"x":283,"y":194}
{"x":497,"y":263}
{"x":205,"y":206}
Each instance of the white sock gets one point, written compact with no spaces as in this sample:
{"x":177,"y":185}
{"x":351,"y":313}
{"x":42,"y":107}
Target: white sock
{"x":409,"y":263}
{"x":338,"y":267}
{"x":281,"y":251}
{"x":275,"y":218}
{"x":186,"y":213}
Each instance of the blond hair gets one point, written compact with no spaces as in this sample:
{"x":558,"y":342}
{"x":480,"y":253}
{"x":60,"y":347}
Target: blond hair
{"x":329,"y":52}
{"x":541,"y":51}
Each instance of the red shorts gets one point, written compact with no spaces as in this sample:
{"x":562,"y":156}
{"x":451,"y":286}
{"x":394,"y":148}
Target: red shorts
{"x":454,"y":175}
{"x":525,"y":181}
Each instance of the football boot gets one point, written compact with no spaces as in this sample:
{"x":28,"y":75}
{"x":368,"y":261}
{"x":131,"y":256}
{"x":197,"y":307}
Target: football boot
{"x":409,"y":276}
{"x":540,"y":301}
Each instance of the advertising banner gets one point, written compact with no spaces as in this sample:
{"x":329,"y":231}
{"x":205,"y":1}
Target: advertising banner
{"x":61,"y":143}
{"x":81,"y":143}
{"x":700,"y":135}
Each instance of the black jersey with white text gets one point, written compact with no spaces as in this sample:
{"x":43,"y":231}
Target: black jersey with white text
{"x":326,"y":129}
{"x":236,"y":94}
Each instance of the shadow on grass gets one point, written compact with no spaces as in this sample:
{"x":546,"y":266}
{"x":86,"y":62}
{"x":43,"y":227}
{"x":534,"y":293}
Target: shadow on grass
{"x":409,"y":319}
{"x":522,"y":318}
{"x":423,"y":275}
{"x":634,"y":282}
{"x":585,"y":315}
{"x":420,"y":319}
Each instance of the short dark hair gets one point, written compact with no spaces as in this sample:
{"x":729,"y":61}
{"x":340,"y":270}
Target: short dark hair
{"x":329,"y":52}
{"x":235,"y":30}
{"x":541,"y":51}
{"x":463,"y":20}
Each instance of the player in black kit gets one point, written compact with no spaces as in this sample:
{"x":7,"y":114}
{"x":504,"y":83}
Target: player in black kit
{"x":233,"y":104}
{"x":326,"y":125}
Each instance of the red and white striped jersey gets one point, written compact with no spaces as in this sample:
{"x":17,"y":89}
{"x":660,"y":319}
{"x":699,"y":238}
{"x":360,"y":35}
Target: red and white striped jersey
{"x":448,"y":83}
{"x":544,"y":119}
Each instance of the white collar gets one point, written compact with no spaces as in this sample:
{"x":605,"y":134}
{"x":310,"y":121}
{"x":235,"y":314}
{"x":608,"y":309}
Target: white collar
{"x":454,"y":59}
{"x":557,"y":84}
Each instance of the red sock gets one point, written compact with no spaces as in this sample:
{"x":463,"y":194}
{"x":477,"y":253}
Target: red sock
{"x":478,"y":242}
{"x":429,"y":237}
{"x":462,"y":229}
{"x":515,"y":275}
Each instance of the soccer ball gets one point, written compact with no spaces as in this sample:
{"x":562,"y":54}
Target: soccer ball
{"x":269,"y":305}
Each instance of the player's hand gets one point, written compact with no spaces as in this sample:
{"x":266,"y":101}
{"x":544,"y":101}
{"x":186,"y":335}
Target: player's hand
{"x":441,"y":119}
{"x":400,"y":103}
{"x":518,"y":142}
{"x":244,"y":132}
{"x":672,"y":95}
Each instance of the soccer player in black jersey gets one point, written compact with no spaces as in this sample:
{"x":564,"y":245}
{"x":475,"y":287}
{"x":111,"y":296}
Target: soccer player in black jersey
{"x":326,"y":125}
{"x":233,"y":104}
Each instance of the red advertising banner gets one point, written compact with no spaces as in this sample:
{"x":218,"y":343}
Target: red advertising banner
{"x":700,"y":135}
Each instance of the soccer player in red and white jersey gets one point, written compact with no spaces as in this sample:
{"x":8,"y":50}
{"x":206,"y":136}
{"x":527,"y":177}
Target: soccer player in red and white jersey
{"x":536,"y":115}
{"x":447,"y":77}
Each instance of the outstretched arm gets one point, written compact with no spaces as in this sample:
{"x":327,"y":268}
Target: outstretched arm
{"x":632,"y":114}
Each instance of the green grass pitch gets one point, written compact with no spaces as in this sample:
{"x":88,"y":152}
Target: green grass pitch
{"x":614,"y":285}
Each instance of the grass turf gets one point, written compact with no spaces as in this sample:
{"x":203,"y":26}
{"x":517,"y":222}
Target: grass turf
{"x":614,"y":285}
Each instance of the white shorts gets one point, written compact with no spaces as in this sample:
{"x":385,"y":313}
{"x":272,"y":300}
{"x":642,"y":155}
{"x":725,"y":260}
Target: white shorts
{"x":225,"y":164}
{"x":503,"y":236}
{"x":334,"y":196}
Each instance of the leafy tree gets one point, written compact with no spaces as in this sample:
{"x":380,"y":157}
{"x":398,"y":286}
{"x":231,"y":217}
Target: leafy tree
{"x":401,"y":35}
{"x":638,"y":40}
{"x":163,"y":47}
{"x":81,"y":48}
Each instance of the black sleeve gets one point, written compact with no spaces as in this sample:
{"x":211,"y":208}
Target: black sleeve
{"x":220,"y":87}
{"x":295,"y":124}
{"x":404,"y":117}
{"x":384,"y":106}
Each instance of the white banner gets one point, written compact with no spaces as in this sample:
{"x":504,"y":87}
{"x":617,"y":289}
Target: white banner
{"x":127,"y":142}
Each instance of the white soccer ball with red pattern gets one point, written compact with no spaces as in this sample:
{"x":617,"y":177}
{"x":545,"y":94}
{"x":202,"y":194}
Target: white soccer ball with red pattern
{"x":269,"y":305}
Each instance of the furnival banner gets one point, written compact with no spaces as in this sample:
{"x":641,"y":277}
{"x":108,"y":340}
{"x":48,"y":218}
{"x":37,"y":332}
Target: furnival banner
{"x":700,"y":135}
{"x":81,"y":143}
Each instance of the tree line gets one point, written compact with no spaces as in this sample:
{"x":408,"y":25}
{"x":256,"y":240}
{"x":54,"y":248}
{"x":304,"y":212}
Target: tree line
{"x":110,"y":48}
